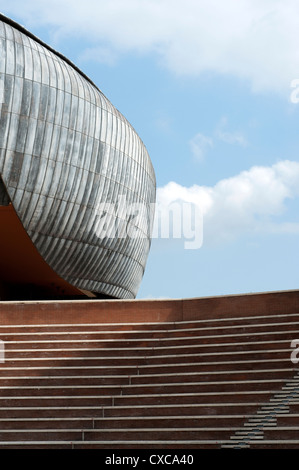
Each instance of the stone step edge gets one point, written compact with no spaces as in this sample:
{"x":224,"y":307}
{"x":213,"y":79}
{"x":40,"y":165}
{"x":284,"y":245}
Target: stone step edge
{"x":268,"y":327}
{"x":145,"y":385}
{"x":137,"y":366}
{"x":116,"y":443}
{"x":131,"y":418}
{"x":164,"y":338}
{"x":219,"y":353}
{"x":121,"y":430}
{"x":129,"y":407}
{"x":132,"y":348}
{"x":179,"y":374}
{"x":154,"y":395}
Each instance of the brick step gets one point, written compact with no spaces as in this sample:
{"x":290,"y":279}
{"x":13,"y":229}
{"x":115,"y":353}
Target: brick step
{"x":127,"y":326}
{"x":168,"y":337}
{"x":175,"y":329}
{"x":173,"y":434}
{"x":123,"y":434}
{"x":280,"y":374}
{"x":64,"y":370}
{"x":277,"y":444}
{"x":204,"y":387}
{"x":59,"y":412}
{"x":294,"y":407}
{"x":97,"y":411}
{"x":155,"y":445}
{"x":145,"y":348}
{"x":72,"y":361}
{"x":60,"y":391}
{"x":140,"y":356}
{"x":110,"y":445}
{"x":287,"y":419}
{"x":224,"y":368}
{"x":135,"y":367}
{"x":117,"y":328}
{"x":189,"y":398}
{"x":46,"y":423}
{"x":134,"y":400}
{"x":90,"y":377}
{"x":16,"y":390}
{"x":62,"y":381}
{"x":37,"y":445}
{"x":221,"y":408}
{"x":50,"y":401}
{"x":217,"y":366}
{"x":281,"y":433}
{"x":131,"y":383}
{"x":42,"y":435}
{"x":120,"y":423}
{"x":170,"y":422}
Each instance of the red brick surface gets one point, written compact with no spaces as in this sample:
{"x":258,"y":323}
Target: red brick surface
{"x":144,"y":311}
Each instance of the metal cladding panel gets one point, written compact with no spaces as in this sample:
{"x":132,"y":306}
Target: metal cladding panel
{"x":4,"y":198}
{"x":64,"y":151}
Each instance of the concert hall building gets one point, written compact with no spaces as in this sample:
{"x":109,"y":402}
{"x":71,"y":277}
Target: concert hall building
{"x":65,"y":152}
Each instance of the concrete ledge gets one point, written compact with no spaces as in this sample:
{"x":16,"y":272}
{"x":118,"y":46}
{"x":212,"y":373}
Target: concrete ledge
{"x":148,"y":311}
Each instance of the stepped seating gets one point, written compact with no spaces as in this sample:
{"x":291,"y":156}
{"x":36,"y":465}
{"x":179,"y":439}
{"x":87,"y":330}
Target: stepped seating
{"x":208,"y":383}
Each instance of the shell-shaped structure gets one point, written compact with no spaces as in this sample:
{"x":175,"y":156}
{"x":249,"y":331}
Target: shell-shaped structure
{"x":64,"y":152}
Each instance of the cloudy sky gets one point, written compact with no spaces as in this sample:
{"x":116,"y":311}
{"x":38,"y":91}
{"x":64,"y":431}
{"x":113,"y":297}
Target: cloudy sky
{"x":212,"y":88}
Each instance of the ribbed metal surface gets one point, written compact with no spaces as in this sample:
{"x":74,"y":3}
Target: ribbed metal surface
{"x":4,"y":198}
{"x":64,"y":150}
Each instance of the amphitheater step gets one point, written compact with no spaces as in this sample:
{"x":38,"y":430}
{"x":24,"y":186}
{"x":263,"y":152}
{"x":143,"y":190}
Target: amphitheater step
{"x":199,"y":383}
{"x":128,"y":422}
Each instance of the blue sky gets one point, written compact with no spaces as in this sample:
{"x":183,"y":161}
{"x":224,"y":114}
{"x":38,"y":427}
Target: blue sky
{"x":207,"y":85}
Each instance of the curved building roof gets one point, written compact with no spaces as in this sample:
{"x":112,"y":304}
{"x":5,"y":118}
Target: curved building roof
{"x":75,"y":172}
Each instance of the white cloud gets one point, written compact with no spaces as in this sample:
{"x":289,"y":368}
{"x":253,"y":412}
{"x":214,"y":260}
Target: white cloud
{"x":200,"y":143}
{"x":103,"y":55}
{"x":232,"y":138}
{"x":164,"y":122}
{"x":199,"y":146}
{"x":250,"y":202}
{"x":256,"y":40}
